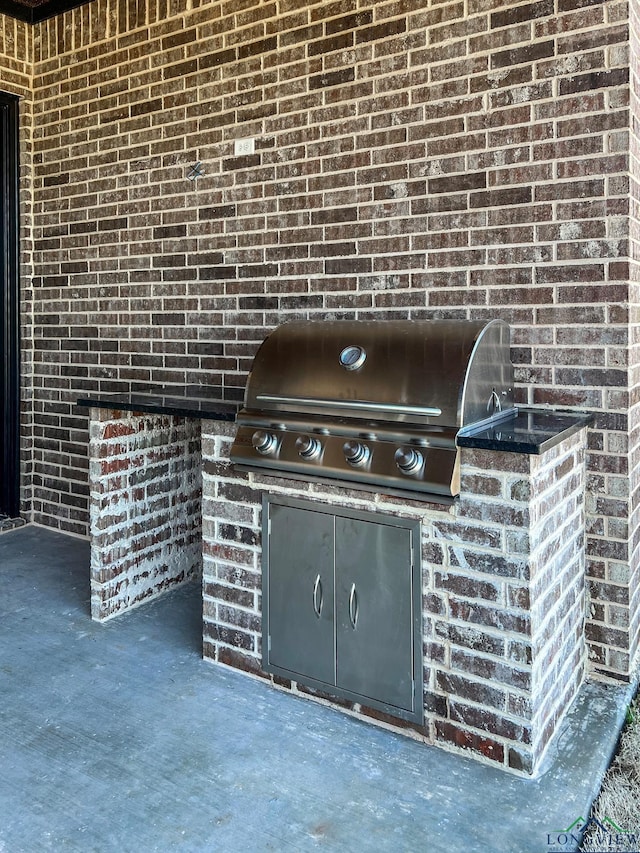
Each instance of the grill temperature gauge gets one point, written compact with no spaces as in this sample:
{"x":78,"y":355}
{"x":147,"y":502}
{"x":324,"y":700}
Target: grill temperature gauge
{"x":353,"y":357}
{"x":409,"y":460}
{"x":264,"y":442}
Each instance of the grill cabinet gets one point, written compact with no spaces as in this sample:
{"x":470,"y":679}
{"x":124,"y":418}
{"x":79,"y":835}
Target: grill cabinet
{"x":342,"y":603}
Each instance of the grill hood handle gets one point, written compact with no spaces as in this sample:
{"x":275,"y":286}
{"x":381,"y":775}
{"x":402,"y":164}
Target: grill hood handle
{"x":350,"y":405}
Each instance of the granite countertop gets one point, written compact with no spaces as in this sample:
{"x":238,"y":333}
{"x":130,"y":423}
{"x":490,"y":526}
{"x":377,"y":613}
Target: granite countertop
{"x":192,"y":402}
{"x":532,"y":431}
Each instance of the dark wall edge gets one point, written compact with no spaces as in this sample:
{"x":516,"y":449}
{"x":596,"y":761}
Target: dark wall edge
{"x":10,"y":403}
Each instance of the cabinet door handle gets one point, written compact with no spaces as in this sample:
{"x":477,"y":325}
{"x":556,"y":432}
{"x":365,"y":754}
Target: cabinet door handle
{"x":317,"y":596}
{"x":353,"y":606}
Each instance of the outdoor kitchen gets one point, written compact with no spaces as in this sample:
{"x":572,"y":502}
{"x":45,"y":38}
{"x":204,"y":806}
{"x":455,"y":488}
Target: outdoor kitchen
{"x":310,"y":292}
{"x":402,"y":529}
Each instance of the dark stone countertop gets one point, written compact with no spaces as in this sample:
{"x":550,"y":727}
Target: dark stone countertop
{"x":532,"y":431}
{"x":193,"y":402}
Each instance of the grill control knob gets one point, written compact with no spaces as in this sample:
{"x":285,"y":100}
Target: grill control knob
{"x":308,"y":447}
{"x":264,"y":442}
{"x":409,"y":460}
{"x":356,"y":453}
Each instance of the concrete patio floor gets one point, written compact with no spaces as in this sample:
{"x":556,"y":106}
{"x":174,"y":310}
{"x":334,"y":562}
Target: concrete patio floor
{"x":119,"y":737}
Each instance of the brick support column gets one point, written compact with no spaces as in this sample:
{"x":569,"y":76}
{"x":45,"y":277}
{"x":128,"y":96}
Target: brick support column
{"x":522,"y":651}
{"x":145,"y":507}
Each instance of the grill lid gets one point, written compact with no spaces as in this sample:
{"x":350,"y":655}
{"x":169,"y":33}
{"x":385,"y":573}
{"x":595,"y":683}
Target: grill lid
{"x":373,"y":402}
{"x":441,"y":372}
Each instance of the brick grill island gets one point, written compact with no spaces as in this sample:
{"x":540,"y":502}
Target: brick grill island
{"x":502,"y":569}
{"x":503,"y":592}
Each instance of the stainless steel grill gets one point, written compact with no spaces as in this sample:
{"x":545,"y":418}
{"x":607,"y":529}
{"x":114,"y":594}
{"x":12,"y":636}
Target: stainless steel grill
{"x":374,"y":403}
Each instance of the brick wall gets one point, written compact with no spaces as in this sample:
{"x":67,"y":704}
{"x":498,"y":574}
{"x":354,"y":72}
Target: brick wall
{"x":503,"y":592}
{"x":632,"y":532}
{"x":448,"y":160}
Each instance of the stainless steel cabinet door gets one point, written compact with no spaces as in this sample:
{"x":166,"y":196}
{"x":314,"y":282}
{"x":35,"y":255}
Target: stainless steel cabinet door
{"x":299,"y":592}
{"x":374,"y":612}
